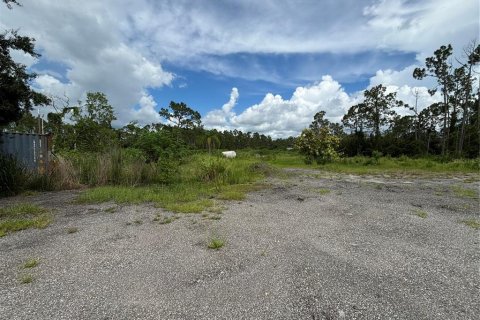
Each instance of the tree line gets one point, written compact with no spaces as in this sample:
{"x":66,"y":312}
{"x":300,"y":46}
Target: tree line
{"x":450,"y":127}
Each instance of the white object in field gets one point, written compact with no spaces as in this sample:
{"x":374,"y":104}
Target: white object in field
{"x":229,"y":154}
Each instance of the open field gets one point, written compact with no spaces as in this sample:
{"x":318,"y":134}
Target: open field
{"x":312,"y":245}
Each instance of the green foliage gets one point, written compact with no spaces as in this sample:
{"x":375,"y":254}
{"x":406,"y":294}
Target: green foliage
{"x":26,"y":278}
{"x":16,"y":94}
{"x":181,"y":115}
{"x":13,"y":177}
{"x":215,"y":243}
{"x":30,"y":263}
{"x":420,"y":213}
{"x":465,"y":193}
{"x":320,"y":147}
{"x":160,"y":144}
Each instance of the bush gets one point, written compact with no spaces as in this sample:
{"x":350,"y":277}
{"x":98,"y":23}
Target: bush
{"x":13,"y":177}
{"x":318,"y":146}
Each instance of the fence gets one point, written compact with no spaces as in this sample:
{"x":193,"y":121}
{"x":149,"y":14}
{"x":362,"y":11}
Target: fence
{"x":32,"y":150}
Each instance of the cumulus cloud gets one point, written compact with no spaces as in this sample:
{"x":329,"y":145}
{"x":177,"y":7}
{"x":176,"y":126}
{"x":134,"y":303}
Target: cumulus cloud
{"x":279,"y":117}
{"x":119,"y":46}
{"x":88,"y":44}
{"x":220,"y":118}
{"x":146,"y":113}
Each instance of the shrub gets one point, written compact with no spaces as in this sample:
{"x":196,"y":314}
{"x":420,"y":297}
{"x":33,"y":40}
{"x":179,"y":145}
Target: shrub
{"x":13,"y":177}
{"x":318,"y":146}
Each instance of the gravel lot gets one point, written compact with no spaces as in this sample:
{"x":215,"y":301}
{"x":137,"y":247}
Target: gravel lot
{"x":311,"y":246}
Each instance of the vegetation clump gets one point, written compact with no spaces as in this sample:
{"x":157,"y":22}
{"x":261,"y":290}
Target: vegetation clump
{"x":23,"y":216}
{"x":30,"y":263}
{"x":215,"y":243}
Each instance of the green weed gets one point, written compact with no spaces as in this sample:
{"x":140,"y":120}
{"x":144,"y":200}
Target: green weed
{"x":464,"y":192}
{"x":26,"y":278}
{"x":30,"y":263}
{"x":215,"y":243}
{"x":323,"y":191}
{"x":420,"y":213}
{"x":110,"y":210}
{"x":72,"y":230}
{"x":472,"y":223}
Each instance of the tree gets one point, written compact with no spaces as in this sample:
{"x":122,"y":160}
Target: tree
{"x":355,"y":118}
{"x":378,"y":107}
{"x":181,"y":115}
{"x":319,"y":121}
{"x":438,"y":67}
{"x":318,"y":146}
{"x":93,"y":123}
{"x":16,"y":96}
{"x":465,"y":95}
{"x":99,"y":110}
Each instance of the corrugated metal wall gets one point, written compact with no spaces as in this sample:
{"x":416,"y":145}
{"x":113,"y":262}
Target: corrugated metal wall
{"x":30,"y":149}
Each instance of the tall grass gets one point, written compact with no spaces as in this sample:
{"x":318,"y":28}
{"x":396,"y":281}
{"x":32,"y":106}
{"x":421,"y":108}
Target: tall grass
{"x":201,"y":180}
{"x":13,"y":177}
{"x":127,"y":167}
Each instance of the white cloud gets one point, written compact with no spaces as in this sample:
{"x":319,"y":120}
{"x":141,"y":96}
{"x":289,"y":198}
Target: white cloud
{"x":220,"y":118}
{"x":146,"y":113}
{"x":279,"y":117}
{"x":86,"y":40}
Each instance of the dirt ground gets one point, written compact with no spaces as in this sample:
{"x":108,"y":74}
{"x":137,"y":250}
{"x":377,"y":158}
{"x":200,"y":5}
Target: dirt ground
{"x":311,"y":246}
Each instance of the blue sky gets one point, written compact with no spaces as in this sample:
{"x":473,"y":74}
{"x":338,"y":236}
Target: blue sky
{"x":280,"y":74}
{"x":265,"y":66}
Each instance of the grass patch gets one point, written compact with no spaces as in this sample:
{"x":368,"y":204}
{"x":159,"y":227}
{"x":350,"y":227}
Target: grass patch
{"x":472,"y":223}
{"x":29,"y":193}
{"x":238,"y":191}
{"x":323,"y":191}
{"x":215,"y":243}
{"x":26,"y":278}
{"x":167,"y":220}
{"x":72,"y":230}
{"x":464,"y":192}
{"x":23,"y":216}
{"x":216,"y":209}
{"x":420,"y":213}
{"x":110,"y":210}
{"x":30,"y":263}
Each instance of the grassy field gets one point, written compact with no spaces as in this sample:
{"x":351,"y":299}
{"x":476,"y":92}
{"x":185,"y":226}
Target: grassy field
{"x":384,"y":165}
{"x":203,"y":180}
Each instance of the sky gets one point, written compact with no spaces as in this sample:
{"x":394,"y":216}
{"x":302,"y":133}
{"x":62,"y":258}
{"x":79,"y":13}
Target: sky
{"x":260,"y":66}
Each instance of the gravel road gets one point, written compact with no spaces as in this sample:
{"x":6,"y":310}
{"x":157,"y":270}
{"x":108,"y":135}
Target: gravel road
{"x":311,"y":246}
